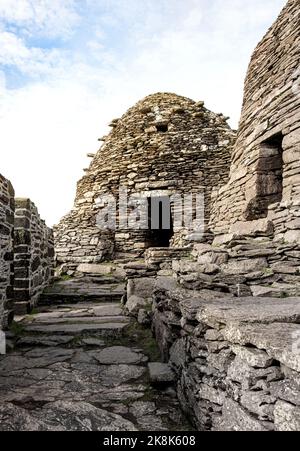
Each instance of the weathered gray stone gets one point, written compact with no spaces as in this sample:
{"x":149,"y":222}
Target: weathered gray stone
{"x":101,"y":269}
{"x":118,"y":355}
{"x":287,"y":417}
{"x":280,"y":340}
{"x":120,"y":374}
{"x":62,"y":416}
{"x":286,"y":390}
{"x":161,"y":373}
{"x":107,"y":310}
{"x":244,"y":266}
{"x":93,"y":342}
{"x":260,"y":227}
{"x":108,"y":329}
{"x":144,"y":318}
{"x":250,"y":310}
{"x":235,"y":418}
{"x":135,"y":303}
{"x":48,"y":341}
{"x":211,"y":394}
{"x":33,"y":255}
{"x":253,"y":357}
{"x":178,"y":354}
{"x":259,"y":403}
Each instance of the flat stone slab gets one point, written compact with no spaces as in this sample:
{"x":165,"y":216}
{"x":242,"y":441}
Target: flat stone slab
{"x":281,"y":341}
{"x":80,"y":310}
{"x":93,"y":342}
{"x":46,"y":341}
{"x":62,"y":416}
{"x":161,"y":373}
{"x":77,"y":320}
{"x":102,"y":269}
{"x":104,"y":329}
{"x":77,"y":291}
{"x":118,"y":355}
{"x":78,"y":287}
{"x":250,"y":310}
{"x":107,"y":310}
{"x":64,"y":367}
{"x":120,"y":374}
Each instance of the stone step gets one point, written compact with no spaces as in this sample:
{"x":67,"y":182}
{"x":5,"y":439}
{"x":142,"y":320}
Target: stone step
{"x":78,"y":290}
{"x":104,"y":320}
{"x":84,"y":309}
{"x":79,"y":320}
{"x":74,"y":299}
{"x":110,"y":329}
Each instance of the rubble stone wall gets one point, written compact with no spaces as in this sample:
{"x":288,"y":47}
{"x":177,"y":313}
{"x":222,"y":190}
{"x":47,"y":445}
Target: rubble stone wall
{"x":245,"y":267}
{"x":165,"y":144}
{"x":237,"y":360}
{"x":6,"y":251}
{"x":226,"y":318}
{"x":33,"y":255}
{"x":265,"y":170}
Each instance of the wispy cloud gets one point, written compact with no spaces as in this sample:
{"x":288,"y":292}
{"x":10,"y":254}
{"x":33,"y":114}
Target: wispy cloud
{"x":67,"y":67}
{"x":50,"y":18}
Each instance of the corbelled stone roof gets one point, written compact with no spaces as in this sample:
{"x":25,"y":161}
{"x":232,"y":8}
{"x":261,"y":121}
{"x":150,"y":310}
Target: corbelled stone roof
{"x":164,"y":142}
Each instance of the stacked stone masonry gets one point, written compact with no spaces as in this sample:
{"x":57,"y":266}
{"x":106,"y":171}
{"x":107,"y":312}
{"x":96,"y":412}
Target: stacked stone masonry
{"x":225,"y":310}
{"x":265,"y":170}
{"x":227,"y":321}
{"x":237,"y":360}
{"x":33,"y":255}
{"x":6,"y":251}
{"x":164,"y":145}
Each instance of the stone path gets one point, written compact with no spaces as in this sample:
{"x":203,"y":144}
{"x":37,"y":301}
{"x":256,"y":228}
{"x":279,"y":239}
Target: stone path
{"x":85,"y":367}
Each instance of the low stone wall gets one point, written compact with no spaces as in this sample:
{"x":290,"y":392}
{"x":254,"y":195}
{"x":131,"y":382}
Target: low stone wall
{"x":77,"y":242}
{"x":6,"y":251}
{"x":144,"y":277}
{"x":34,"y":255}
{"x":243,"y":267}
{"x":226,"y":318}
{"x":237,"y":361}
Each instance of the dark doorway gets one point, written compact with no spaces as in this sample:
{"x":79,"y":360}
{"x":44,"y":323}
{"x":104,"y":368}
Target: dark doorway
{"x":268,"y":178}
{"x":162,"y":128}
{"x":160,"y":222}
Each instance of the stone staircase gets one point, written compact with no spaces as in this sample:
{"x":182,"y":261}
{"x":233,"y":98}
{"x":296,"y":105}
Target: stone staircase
{"x":79,"y":364}
{"x":92,"y":283}
{"x":84,"y":289}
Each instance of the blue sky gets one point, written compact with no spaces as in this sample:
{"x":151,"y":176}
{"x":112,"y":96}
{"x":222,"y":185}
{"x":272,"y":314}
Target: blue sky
{"x":67,"y":67}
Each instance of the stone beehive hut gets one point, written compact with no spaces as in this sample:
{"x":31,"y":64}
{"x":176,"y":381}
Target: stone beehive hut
{"x":265,"y":171}
{"x":165,"y":144}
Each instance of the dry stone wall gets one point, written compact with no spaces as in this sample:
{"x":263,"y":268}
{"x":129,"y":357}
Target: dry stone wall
{"x":226,"y":313}
{"x":33,"y":255}
{"x":165,"y":144}
{"x":265,"y":170}
{"x":244,"y":267}
{"x":237,"y":361}
{"x":226,"y":318}
{"x":6,"y":251}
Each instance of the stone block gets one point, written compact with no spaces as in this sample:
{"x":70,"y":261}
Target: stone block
{"x":260,"y":227}
{"x":287,"y":417}
{"x":161,"y":373}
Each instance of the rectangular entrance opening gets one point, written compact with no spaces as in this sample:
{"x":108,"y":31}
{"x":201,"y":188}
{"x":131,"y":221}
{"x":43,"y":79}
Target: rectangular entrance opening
{"x":269,"y":178}
{"x":160,"y":222}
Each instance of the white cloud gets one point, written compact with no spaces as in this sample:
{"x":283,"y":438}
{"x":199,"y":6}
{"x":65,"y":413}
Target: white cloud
{"x":31,"y":61}
{"x":125,"y":51}
{"x":45,"y":17}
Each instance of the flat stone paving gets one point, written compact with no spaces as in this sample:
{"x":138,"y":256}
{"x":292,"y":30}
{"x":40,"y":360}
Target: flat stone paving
{"x":84,"y":289}
{"x":84,"y":367}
